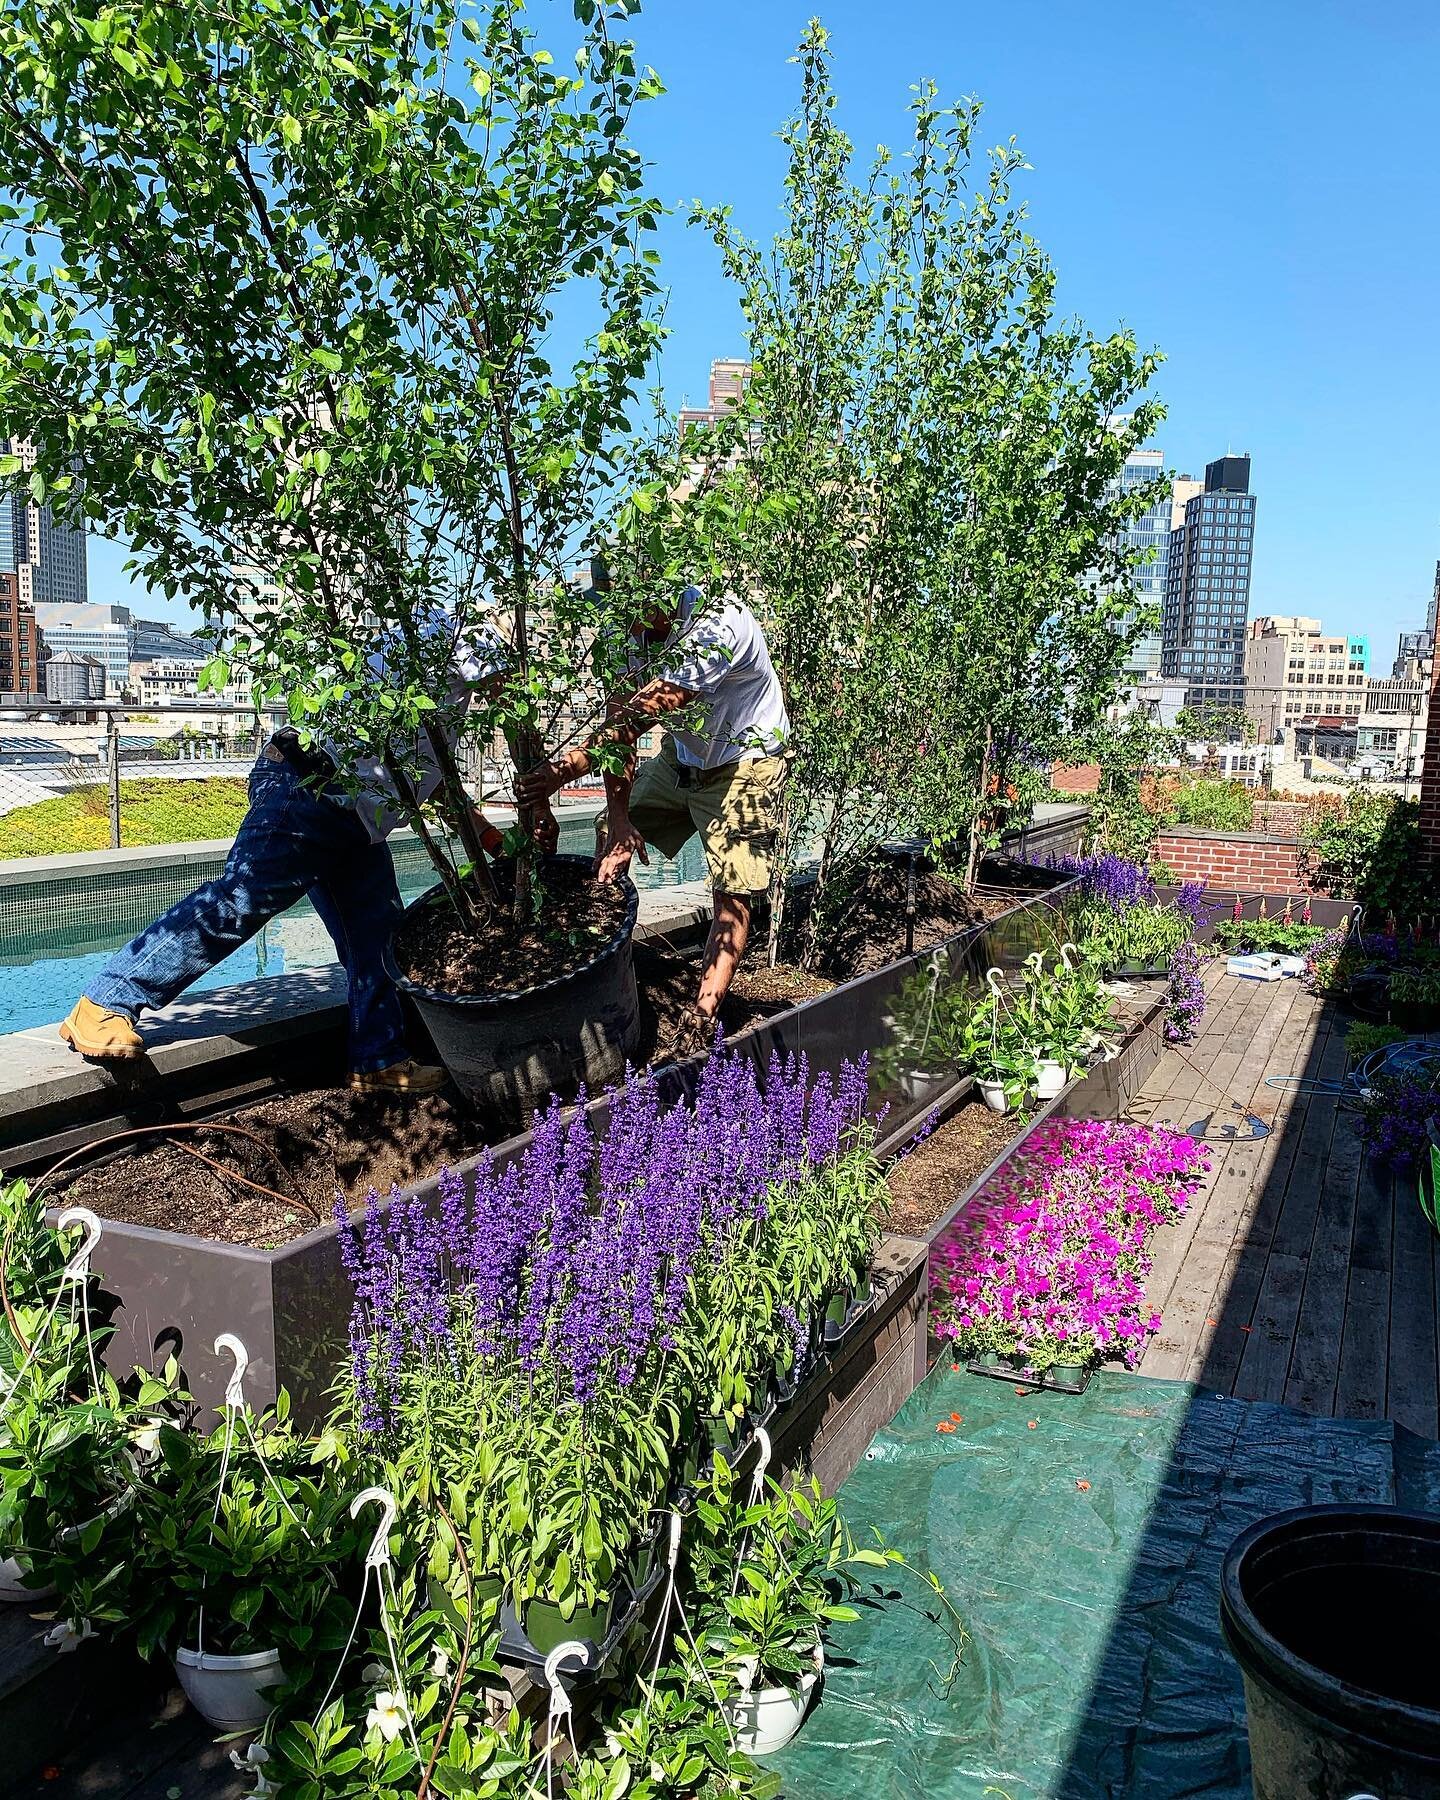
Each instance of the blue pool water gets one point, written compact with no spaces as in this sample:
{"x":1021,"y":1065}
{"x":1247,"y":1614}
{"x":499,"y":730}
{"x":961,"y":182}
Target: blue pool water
{"x":42,"y":989}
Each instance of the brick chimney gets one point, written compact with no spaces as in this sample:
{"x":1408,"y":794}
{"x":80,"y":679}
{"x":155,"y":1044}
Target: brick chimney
{"x":1430,"y":778}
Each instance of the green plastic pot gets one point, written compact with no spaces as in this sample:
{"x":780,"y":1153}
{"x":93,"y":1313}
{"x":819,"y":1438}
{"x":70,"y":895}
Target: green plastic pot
{"x":719,"y":1432}
{"x":486,"y":1589}
{"x":641,"y":1559}
{"x":1067,"y":1374}
{"x":837,"y":1312}
{"x":547,"y":1628}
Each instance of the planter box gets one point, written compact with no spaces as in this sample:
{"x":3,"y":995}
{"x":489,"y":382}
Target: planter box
{"x":175,"y":1293}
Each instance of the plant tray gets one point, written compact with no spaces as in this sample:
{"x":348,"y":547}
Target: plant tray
{"x":515,"y":1646}
{"x":836,"y":1334}
{"x":1047,"y":1382}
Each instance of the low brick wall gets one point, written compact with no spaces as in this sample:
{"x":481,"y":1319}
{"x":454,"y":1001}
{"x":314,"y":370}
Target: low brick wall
{"x":1075,"y":778}
{"x":1246,"y":861}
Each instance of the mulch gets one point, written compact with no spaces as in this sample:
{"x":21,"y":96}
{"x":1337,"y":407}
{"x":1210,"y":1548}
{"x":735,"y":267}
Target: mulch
{"x":865,"y":925}
{"x":926,"y":1182}
{"x":435,"y":948}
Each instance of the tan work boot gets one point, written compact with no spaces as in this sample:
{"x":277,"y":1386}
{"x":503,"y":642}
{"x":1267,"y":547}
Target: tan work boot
{"x":93,"y":1031}
{"x":408,"y":1077}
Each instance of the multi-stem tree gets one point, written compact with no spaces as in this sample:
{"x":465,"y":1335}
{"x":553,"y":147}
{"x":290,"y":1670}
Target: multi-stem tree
{"x":283,"y":287}
{"x":935,"y":519}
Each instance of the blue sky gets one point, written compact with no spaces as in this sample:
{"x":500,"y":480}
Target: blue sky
{"x":1251,"y":187}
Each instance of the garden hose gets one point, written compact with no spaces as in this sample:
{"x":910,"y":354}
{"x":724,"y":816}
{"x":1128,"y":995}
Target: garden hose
{"x":1356,"y":1086}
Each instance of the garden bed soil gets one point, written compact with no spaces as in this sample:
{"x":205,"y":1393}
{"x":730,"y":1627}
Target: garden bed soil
{"x":331,"y":1141}
{"x":867,"y":927}
{"x":578,"y":917}
{"x":925,"y":1183}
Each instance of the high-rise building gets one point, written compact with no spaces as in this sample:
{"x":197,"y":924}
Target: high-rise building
{"x":728,"y":380}
{"x":1296,"y":673}
{"x":23,"y":653}
{"x":46,"y":552}
{"x":1150,"y":532}
{"x":105,"y":632}
{"x":1207,"y":586}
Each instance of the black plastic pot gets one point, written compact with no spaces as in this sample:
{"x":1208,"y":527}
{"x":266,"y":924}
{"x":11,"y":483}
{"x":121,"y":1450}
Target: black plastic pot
{"x":1415,"y":1015}
{"x":507,"y":1053}
{"x":1329,"y":1612}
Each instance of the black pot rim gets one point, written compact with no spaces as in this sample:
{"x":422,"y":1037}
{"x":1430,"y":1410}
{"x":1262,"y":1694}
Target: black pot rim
{"x":525,"y":996}
{"x":1262,"y":1655}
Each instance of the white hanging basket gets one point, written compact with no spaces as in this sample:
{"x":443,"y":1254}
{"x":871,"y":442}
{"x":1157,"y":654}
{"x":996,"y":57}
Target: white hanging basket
{"x":12,"y":1584}
{"x":1049,"y":1078}
{"x":993,"y":1094}
{"x":225,"y":1690}
{"x":766,"y":1719}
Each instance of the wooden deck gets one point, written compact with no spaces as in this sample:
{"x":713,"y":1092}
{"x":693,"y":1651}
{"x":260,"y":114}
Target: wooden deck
{"x":1301,"y":1273}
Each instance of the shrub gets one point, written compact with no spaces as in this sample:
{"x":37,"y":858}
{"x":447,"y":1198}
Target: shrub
{"x":1211,"y":805}
{"x":1370,"y":849}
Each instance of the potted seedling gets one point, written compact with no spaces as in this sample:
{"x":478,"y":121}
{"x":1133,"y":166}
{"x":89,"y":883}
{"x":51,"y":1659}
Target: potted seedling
{"x":237,"y":1563}
{"x":772,"y":1575}
{"x":1415,"y":996}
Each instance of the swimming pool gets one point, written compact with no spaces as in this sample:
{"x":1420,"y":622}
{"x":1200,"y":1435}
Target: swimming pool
{"x":40,"y":988}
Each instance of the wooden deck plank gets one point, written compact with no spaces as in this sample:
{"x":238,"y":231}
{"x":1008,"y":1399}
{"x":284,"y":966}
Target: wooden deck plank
{"x":1412,"y":1390}
{"x":1360,"y":1390}
{"x":1230,"y":1258}
{"x":1319,"y":1328}
{"x":1301,"y":1273}
{"x":1265,"y":1361}
{"x":1178,"y":1287}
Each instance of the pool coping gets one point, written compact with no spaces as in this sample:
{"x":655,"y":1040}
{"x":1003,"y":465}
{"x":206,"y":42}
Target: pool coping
{"x":215,"y":1042}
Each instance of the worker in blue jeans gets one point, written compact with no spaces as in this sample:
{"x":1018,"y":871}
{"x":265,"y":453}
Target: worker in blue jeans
{"x":305,"y":834}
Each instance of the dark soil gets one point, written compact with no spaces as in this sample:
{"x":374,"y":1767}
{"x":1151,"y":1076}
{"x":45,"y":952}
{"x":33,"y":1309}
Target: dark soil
{"x":325,"y":1143}
{"x":577,"y":918}
{"x":332,"y":1141}
{"x":863,"y":926}
{"x":925,"y":1184}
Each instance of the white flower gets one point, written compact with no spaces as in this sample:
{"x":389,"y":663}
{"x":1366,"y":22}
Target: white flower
{"x":374,"y":1673}
{"x":387,"y":1716}
{"x":69,"y":1634}
{"x":252,"y":1762}
{"x":440,"y":1664}
{"x":146,"y":1439}
{"x":612,"y":1744}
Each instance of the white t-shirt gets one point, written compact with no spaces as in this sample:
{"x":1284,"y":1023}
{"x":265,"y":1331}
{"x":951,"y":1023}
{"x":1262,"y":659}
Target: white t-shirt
{"x":472,"y":659}
{"x":721,"y":655}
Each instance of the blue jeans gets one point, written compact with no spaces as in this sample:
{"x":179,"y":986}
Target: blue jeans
{"x":293,"y":841}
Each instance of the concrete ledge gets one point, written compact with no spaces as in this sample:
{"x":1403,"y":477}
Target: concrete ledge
{"x":225,"y":1039}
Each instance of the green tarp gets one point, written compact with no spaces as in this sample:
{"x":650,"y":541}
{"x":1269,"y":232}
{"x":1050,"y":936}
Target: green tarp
{"x":1095,"y":1666}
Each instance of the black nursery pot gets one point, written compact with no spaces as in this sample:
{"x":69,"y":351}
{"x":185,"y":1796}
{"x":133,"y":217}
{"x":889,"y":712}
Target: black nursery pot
{"x":507,"y":1053}
{"x":1415,"y":1015}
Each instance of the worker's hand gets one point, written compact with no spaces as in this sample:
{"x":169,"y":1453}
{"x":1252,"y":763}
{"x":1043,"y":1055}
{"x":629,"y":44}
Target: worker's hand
{"x":545,"y":829}
{"x":536,"y":786}
{"x":624,"y":842}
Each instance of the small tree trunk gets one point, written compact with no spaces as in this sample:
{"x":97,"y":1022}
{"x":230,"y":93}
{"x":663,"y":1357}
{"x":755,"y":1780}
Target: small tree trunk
{"x":455,"y":889}
{"x":972,"y":861}
{"x":780,"y":884}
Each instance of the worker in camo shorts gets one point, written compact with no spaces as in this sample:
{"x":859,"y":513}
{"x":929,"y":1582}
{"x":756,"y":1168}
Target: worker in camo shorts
{"x":720,"y":772}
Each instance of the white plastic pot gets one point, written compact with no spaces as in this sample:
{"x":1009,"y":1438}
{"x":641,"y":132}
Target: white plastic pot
{"x":12,"y":1584}
{"x":1049,"y":1079}
{"x":765,"y":1720}
{"x":921,"y":1085}
{"x":993,"y":1094}
{"x":225,"y":1690}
